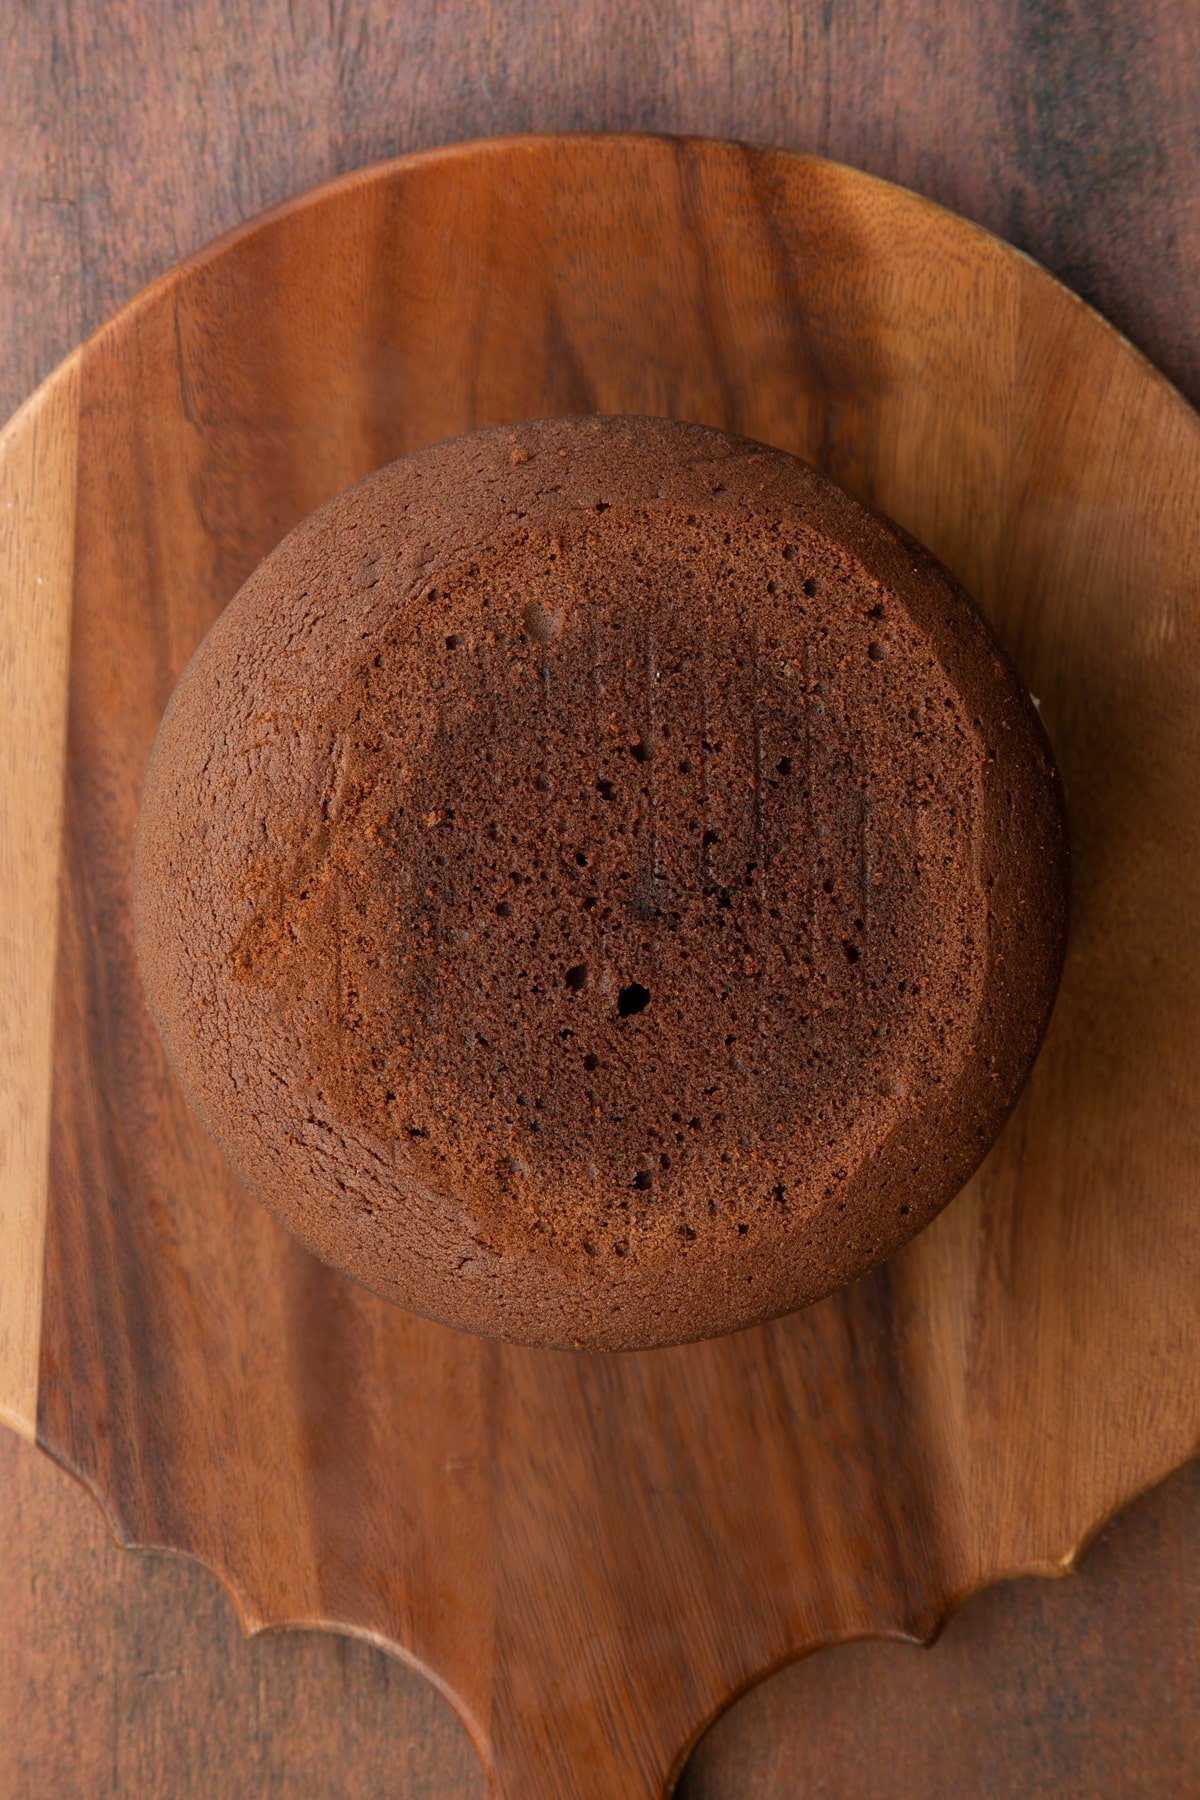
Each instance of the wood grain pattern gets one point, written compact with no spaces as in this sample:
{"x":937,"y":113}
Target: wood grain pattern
{"x":114,"y":1668}
{"x":99,"y":1696}
{"x":960,"y":1408}
{"x":1070,"y":130}
{"x":37,"y":531}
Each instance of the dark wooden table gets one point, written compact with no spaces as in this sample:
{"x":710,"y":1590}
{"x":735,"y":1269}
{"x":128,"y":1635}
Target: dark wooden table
{"x":129,"y":137}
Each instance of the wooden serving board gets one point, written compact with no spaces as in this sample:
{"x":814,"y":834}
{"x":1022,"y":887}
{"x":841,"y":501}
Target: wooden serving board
{"x":592,"y":1555}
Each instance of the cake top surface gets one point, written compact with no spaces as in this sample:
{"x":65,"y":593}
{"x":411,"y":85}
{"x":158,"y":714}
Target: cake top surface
{"x":600,"y":884}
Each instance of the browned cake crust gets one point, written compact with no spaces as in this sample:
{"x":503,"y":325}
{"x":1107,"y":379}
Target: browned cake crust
{"x":600,"y":884}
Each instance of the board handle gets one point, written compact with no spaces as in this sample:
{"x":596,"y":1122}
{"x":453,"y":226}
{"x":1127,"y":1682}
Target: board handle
{"x":38,"y":453}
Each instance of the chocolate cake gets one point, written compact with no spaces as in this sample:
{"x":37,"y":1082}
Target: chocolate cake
{"x":600,"y":884}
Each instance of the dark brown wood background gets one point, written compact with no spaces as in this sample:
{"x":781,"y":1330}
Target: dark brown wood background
{"x":131,"y":135}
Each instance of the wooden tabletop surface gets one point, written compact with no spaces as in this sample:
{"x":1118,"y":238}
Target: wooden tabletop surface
{"x":1072,"y":131}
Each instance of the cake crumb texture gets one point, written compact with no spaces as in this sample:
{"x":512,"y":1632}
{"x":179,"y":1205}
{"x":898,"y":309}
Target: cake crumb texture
{"x":601,"y":885}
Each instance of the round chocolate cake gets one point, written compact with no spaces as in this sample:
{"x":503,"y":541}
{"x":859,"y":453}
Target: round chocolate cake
{"x":600,"y":884}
